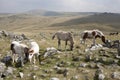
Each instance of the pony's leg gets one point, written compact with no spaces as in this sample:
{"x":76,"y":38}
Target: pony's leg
{"x":59,"y":43}
{"x":65,"y":44}
{"x":94,"y":41}
{"x":22,"y":61}
{"x":34,"y":60}
{"x":13,"y":57}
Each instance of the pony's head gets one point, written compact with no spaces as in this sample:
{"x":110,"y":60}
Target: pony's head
{"x":103,"y":39}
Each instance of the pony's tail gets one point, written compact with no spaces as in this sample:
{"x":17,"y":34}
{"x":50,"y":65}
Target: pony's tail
{"x":53,"y":36}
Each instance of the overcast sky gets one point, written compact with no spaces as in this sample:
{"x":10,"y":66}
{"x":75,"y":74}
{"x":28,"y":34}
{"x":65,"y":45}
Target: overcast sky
{"x":60,"y":5}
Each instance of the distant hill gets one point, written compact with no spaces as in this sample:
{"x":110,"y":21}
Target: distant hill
{"x":54,"y":13}
{"x":50,"y":20}
{"x":43,"y":13}
{"x":109,"y":19}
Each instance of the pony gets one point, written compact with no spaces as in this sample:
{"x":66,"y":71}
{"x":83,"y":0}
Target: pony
{"x":19,"y":49}
{"x":65,"y":36}
{"x":113,"y":33}
{"x":92,"y":34}
{"x":33,"y":51}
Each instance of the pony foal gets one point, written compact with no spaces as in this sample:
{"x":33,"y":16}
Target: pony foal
{"x":33,"y":51}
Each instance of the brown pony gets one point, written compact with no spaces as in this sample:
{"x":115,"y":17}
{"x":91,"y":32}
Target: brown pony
{"x":65,"y":36}
{"x":92,"y":34}
{"x":113,"y":33}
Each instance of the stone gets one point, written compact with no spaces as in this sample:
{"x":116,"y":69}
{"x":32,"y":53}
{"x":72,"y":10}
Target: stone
{"x":21,"y":74}
{"x":2,"y":69}
{"x":88,"y":57}
{"x":115,"y":75}
{"x":7,"y":60}
{"x":74,"y":78}
{"x":50,"y":51}
{"x":9,"y":71}
{"x":101,"y":77}
{"x":76,"y":58}
{"x":54,"y":78}
{"x":83,"y":65}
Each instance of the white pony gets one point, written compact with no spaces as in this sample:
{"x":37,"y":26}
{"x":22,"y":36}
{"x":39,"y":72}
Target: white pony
{"x":33,"y":51}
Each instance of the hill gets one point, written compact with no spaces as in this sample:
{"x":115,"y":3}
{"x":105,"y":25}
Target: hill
{"x":41,"y":12}
{"x":42,"y":20}
{"x":106,"y":19}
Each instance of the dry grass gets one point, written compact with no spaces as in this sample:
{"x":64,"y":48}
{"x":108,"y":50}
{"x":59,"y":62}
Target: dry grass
{"x":39,"y":28}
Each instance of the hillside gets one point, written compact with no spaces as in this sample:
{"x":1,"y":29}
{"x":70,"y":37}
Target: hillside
{"x":50,"y":20}
{"x":41,"y":12}
{"x":111,"y":20}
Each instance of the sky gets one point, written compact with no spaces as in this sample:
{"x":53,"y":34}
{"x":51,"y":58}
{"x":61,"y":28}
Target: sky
{"x":16,"y":6}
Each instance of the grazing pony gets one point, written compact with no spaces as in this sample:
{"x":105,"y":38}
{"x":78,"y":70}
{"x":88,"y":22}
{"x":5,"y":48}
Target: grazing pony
{"x":113,"y":33}
{"x":65,"y":36}
{"x":19,"y":49}
{"x":33,"y":51}
{"x":92,"y":34}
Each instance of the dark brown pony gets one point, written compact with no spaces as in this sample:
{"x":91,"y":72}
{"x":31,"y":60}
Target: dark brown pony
{"x":65,"y":36}
{"x":92,"y":34}
{"x":113,"y":33}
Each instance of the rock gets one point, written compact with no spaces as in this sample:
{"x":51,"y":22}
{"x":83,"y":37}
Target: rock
{"x":74,"y":78}
{"x":43,"y":75}
{"x":98,"y":65}
{"x":35,"y":67}
{"x":48,"y":71}
{"x":60,"y":71}
{"x":103,"y":59}
{"x":101,"y":77}
{"x":94,"y":47}
{"x":34,"y":77}
{"x":21,"y":74}
{"x":107,"y":44}
{"x":85,"y":71}
{"x":83,"y":65}
{"x":88,"y":57}
{"x":9,"y":71}
{"x":2,"y":69}
{"x":92,"y":65}
{"x":96,"y":59}
{"x":76,"y":58}
{"x":50,"y":51}
{"x":54,"y":78}
{"x":115,"y":75}
{"x":7,"y":60}
{"x":42,"y":63}
{"x":56,"y":67}
{"x":65,"y":72}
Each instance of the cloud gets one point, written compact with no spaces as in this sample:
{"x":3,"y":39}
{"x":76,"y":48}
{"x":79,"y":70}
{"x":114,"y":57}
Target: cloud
{"x":60,"y":5}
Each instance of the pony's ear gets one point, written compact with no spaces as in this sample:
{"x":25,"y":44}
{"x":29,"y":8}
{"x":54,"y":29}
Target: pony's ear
{"x":31,"y":51}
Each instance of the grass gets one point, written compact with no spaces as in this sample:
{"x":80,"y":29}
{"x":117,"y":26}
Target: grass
{"x":39,"y":28}
{"x":65,"y":56}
